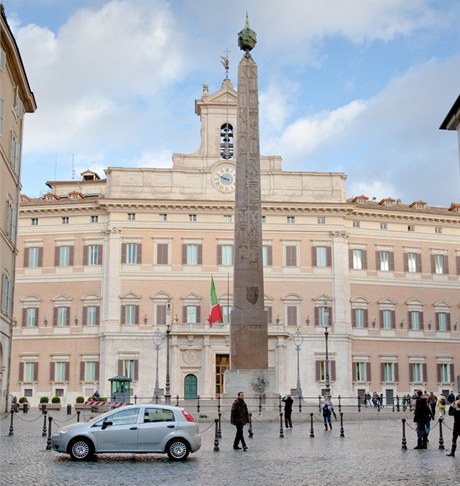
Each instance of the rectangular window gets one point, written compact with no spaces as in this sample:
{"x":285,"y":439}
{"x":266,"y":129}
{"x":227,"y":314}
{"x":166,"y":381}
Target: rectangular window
{"x":356,"y":224}
{"x":383,"y":226}
{"x":15,"y":152}
{"x":291,"y":256}
{"x":94,"y":219}
{"x":161,"y":314}
{"x":417,"y":372}
{"x":191,"y":314}
{"x":264,"y":219}
{"x":192,"y":218}
{"x":444,"y":373}
{"x":413,"y":262}
{"x":387,"y":319}
{"x":94,"y":254}
{"x":132,"y":255}
{"x":131,"y":314}
{"x":34,"y":260}
{"x":62,"y":316}
{"x":226,"y":311}
{"x":34,"y":221}
{"x":92,"y":315}
{"x":360,"y":318}
{"x":290,"y":219}
{"x":438,"y":230}
{"x":163,"y":217}
{"x":291,"y":311}
{"x":388,"y":372}
{"x":6,"y":294}
{"x":64,"y":256}
{"x":357,"y":259}
{"x":360,"y":371}
{"x":410,"y":227}
{"x":60,"y":370}
{"x":90,"y":371}
{"x":321,"y":220}
{"x":321,"y":256}
{"x":415,"y":320}
{"x":31,"y":317}
{"x":324,"y":316}
{"x":65,"y":220}
{"x":384,"y":257}
{"x":439,"y":264}
{"x":228,"y":218}
{"x":225,"y":255}
{"x":191,"y":254}
{"x":442,"y":319}
{"x":162,"y":254}
{"x":267,"y":255}
{"x":131,"y":216}
{"x":29,"y":371}
{"x":129,"y":368}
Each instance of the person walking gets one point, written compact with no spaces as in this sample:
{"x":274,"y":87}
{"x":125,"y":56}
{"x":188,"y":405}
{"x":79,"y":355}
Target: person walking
{"x":421,"y":414}
{"x":327,"y":411}
{"x":288,"y":401}
{"x":239,"y":417}
{"x":454,"y":410}
{"x":442,"y":402}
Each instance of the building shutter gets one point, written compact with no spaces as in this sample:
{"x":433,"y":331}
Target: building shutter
{"x":350,"y":258}
{"x":184,"y":314}
{"x":448,"y":321}
{"x":200,"y":254}
{"x":123,"y":253}
{"x":381,"y":318}
{"x":120,"y":368}
{"x":396,"y":370}
{"x":55,"y":316}
{"x":420,"y":316}
{"x":198,"y":313}
{"x":439,"y":372}
{"x":318,"y":368}
{"x":136,"y":369}
{"x":368,"y":371}
{"x":382,"y":371}
{"x":36,"y":372}
{"x":40,"y":257}
{"x":57,"y":251}
{"x":100,"y":254}
{"x":24,"y":318}
{"x":458,"y":264}
{"x":406,"y":262}
{"x":52,"y":370}
{"x":419,"y":262}
{"x":445,"y":264}
{"x":364,"y":254}
{"x":425,"y":376}
{"x":452,"y":370}
{"x":436,"y":315}
{"x":377,"y":260}
{"x":411,"y":372}
{"x":67,"y":371}
{"x":314,"y":256}
{"x":97,"y":370}
{"x":82,"y":371}
{"x":328,"y":256}
{"x":162,"y":254}
{"x":123,"y":314}
{"x":219,"y":254}
{"x":21,"y":371}
{"x":67,"y":317}
{"x":433,"y":265}
{"x":71,"y":256}
{"x":270,"y":256}
{"x":366,"y":318}
{"x":317,"y":323}
{"x":26,"y":257}
{"x":85,"y":254}
{"x":269,"y":314}
{"x":139,"y":253}
{"x":393,"y":319}
{"x":85,"y":316}
{"x":353,"y":317}
{"x":136,"y":314}
{"x":333,"y":370}
{"x":98,"y":315}
{"x":392,"y":261}
{"x":184,"y":254}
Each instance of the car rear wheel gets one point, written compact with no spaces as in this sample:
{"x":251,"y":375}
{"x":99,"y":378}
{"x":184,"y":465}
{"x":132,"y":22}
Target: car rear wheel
{"x":178,"y":450}
{"x":81,"y":449}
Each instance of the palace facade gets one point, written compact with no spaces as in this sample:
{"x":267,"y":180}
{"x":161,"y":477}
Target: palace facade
{"x":107,"y":265}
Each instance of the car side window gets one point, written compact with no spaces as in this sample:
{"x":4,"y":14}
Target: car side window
{"x":123,"y":417}
{"x":158,"y":415}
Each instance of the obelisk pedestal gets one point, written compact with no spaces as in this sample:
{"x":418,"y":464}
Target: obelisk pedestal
{"x":249,"y":328}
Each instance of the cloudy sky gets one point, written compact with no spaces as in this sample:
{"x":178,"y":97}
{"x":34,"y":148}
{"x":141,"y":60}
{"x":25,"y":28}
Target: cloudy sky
{"x":354,"y":86}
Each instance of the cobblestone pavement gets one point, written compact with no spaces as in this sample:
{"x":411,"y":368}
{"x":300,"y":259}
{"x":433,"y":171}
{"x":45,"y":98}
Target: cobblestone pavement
{"x":370,"y":453}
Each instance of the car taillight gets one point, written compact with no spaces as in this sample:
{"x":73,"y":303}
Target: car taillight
{"x":187,"y":416}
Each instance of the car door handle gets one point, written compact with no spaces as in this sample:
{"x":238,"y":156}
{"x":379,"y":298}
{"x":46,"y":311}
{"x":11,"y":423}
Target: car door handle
{"x":170,"y":426}
{"x":133,"y":428}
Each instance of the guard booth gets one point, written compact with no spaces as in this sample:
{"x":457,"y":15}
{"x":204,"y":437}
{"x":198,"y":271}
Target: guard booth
{"x":120,"y":389}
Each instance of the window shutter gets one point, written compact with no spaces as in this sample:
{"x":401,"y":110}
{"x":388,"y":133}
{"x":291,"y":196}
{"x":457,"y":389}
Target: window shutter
{"x":139,"y":253}
{"x":458,"y":264}
{"x":52,"y":370}
{"x":330,"y":316}
{"x":354,"y":371}
{"x":123,"y":253}
{"x":24,"y":317}
{"x":120,"y":367}
{"x":420,"y":316}
{"x":409,"y":320}
{"x":85,"y":316}
{"x":100,"y":254}
{"x":161,"y":314}
{"x":97,"y":370}
{"x":40,"y":257}
{"x":437,"y":320}
{"x":137,"y":315}
{"x":406,"y":262}
{"x":269,"y":314}
{"x":419,"y":262}
{"x":393,"y":319}
{"x":162,"y":254}
{"x":396,"y":370}
{"x":445,"y":262}
{"x":219,"y":254}
{"x":452,"y":374}
{"x":198,"y":313}
{"x":368,"y":371}
{"x":381,"y":318}
{"x":317,"y":323}
{"x":377,"y":260}
{"x":55,"y":316}
{"x":425,"y":376}
{"x":448,"y":321}
{"x":136,"y":369}
{"x":364,"y":259}
{"x":411,"y":372}
{"x":184,"y":314}
{"x":26,"y":257}
{"x":382,"y":371}
{"x":184,"y":254}
{"x":82,"y":371}
{"x":98,"y":315}
{"x":270,"y":256}
{"x":37,"y":317}
{"x":433,"y":266}
{"x":439,"y":372}
{"x":67,"y":371}
{"x":329,"y":256}
{"x":21,"y":371}
{"x":332,"y":370}
{"x":292,"y":315}
{"x":123,"y":314}
{"x":353,"y":317}
{"x":314,"y":256}
{"x":67,"y":316}
{"x":36,"y":372}
{"x":350,"y":258}
{"x":57,"y":251}
{"x":200,"y":254}
{"x":392,"y":261}
{"x":366,"y":318}
{"x":71,"y":256}
{"x":318,"y":367}
{"x":85,"y":254}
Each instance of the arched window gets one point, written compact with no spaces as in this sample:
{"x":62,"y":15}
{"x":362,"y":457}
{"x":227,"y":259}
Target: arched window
{"x":226,"y":141}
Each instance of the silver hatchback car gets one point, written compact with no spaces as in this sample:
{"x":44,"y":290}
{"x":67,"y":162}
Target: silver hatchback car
{"x":133,"y":428}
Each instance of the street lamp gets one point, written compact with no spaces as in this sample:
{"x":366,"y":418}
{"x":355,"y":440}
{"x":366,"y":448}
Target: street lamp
{"x":168,"y":332}
{"x":157,"y":341}
{"x":325,"y":324}
{"x":297,"y":339}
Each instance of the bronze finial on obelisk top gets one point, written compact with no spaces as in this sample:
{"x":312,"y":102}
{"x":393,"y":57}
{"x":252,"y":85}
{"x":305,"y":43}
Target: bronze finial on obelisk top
{"x":247,"y":38}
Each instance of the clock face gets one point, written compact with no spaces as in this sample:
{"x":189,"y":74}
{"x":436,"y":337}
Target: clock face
{"x":224,"y":178}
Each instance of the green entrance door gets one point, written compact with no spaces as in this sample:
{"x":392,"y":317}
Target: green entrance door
{"x":190,"y":387}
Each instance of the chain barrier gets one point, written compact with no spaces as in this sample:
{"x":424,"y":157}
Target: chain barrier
{"x":28,"y":421}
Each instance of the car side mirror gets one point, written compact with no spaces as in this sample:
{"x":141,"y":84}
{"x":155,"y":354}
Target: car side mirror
{"x":105,"y":424}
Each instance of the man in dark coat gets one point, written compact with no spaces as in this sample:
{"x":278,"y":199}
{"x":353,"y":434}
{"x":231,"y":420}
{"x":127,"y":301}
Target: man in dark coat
{"x":454,"y":410}
{"x":288,"y":401}
{"x":422,"y":414}
{"x":239,"y":417}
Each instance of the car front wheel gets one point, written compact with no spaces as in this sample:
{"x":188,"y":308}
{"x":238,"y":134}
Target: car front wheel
{"x":81,"y":450}
{"x":178,"y":450}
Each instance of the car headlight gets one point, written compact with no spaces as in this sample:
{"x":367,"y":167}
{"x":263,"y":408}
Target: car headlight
{"x":61,"y":432}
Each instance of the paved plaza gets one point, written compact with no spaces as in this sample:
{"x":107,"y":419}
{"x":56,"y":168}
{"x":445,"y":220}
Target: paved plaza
{"x":369,"y":453}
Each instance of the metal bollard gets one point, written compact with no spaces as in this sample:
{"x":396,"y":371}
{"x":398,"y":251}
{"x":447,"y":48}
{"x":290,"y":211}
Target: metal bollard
{"x":359,"y":404}
{"x":219,"y":414}
{"x":177,"y":400}
{"x":135,"y":399}
{"x":319,"y":403}
{"x":11,"y":422}
{"x":312,"y":432}
{"x":216,"y":437}
{"x":441,"y":440}
{"x":404,"y":441}
{"x":48,"y":441}
{"x":250,"y":433}
{"x":260,"y":404}
{"x":69,"y":409}
{"x":300,"y":403}
{"x":340,"y":403}
{"x":342,"y":434}
{"x":397,"y":403}
{"x":78,"y":415}
{"x":25,"y":407}
{"x":44,"y":412}
{"x":198,"y":403}
{"x":281,"y":417}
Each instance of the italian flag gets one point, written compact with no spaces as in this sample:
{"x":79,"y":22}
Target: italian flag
{"x":215,"y":315}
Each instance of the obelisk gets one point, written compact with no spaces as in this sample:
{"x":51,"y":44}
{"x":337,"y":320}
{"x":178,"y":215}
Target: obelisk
{"x":248,"y":329}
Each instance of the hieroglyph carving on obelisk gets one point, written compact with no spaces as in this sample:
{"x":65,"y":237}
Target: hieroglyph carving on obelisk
{"x":249,"y":332}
